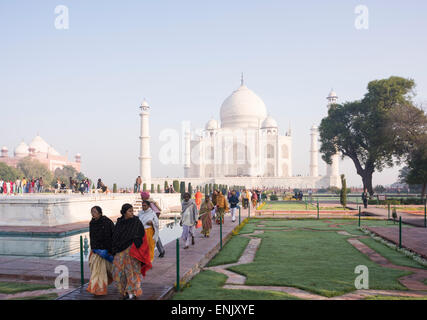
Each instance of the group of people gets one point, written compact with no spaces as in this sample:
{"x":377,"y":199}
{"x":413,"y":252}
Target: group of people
{"x":20,"y":186}
{"x":212,"y":209}
{"x":123,"y":252}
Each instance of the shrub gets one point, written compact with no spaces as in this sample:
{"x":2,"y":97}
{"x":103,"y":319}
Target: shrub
{"x":115,"y":188}
{"x":274,"y":197}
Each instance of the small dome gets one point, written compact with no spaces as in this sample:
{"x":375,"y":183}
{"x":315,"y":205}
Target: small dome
{"x":269,"y":122}
{"x":78,"y":155}
{"x":21,"y":150}
{"x":212,"y":125}
{"x":314,"y":127}
{"x":242,"y":109}
{"x":4,"y":149}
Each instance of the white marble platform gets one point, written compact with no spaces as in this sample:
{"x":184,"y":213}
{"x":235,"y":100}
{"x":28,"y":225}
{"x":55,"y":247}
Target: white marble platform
{"x":59,"y":209}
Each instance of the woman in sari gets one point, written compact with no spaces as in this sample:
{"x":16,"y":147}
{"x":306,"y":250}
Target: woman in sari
{"x":100,"y":258}
{"x":198,"y":197}
{"x":254,"y":199}
{"x":151,"y":225}
{"x":128,"y":233}
{"x":205,"y":215}
{"x":188,"y":219}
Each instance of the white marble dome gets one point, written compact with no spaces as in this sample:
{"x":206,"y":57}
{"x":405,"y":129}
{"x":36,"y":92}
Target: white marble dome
{"x":39,"y":145}
{"x":269,"y":122}
{"x":243,"y":109}
{"x":21,"y":150}
{"x":212,"y":125}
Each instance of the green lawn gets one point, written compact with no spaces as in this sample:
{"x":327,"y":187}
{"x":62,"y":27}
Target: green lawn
{"x":16,"y":287}
{"x":207,"y":286}
{"x":391,"y":255}
{"x":50,"y":296}
{"x":231,"y":252}
{"x":297,"y":205}
{"x":318,"y":260}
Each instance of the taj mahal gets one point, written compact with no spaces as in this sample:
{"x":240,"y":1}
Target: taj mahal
{"x":246,"y":149}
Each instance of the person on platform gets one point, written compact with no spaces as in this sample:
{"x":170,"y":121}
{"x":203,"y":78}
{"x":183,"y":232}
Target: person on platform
{"x":221,"y":208}
{"x":188,"y":221}
{"x":131,"y":254}
{"x":151,"y":226}
{"x":234,"y":202}
{"x":205,"y":216}
{"x":100,"y":258}
{"x":101,"y":186}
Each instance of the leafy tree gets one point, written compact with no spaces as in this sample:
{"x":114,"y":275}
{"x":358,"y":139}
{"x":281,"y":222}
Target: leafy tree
{"x":379,"y":189}
{"x":360,"y":130}
{"x":408,"y":124}
{"x":166,"y":185}
{"x":8,"y":173}
{"x":64,"y":174}
{"x":32,"y":168}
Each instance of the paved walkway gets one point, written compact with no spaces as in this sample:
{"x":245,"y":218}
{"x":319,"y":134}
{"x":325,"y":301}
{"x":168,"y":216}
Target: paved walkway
{"x":160,"y":280}
{"x":40,"y":269}
{"x":412,"y":219}
{"x":414,"y":239}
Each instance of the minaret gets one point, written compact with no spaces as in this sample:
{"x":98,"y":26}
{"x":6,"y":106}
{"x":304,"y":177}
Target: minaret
{"x":314,"y":153}
{"x":333,"y":170}
{"x":144,"y":154}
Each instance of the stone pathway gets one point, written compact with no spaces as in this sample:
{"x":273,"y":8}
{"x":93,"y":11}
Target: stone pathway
{"x":413,"y":282}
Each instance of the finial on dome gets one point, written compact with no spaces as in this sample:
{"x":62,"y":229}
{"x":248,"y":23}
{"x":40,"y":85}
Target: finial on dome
{"x":242,"y":80}
{"x":144,"y":105}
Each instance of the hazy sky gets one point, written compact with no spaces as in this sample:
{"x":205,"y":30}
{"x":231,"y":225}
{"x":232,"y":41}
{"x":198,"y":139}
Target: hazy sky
{"x":80,"y":88}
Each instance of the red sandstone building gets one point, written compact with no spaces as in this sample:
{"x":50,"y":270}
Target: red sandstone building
{"x":40,"y":150}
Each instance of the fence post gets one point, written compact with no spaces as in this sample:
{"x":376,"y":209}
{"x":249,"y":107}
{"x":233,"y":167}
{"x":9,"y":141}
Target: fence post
{"x":425,"y":213}
{"x":81,"y":262}
{"x":400,"y":232}
{"x":220,"y":231}
{"x":177,"y":264}
{"x":359,"y":216}
{"x":317,"y":208}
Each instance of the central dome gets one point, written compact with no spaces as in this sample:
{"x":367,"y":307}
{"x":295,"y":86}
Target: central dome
{"x":243,"y":109}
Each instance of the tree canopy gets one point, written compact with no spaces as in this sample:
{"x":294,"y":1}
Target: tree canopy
{"x":8,"y":173}
{"x":32,"y":168}
{"x":360,"y":129}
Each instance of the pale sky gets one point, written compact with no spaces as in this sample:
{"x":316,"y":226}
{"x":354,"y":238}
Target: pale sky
{"x":80,"y":88}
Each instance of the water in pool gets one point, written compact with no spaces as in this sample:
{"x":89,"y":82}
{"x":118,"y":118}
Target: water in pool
{"x":68,"y":248}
